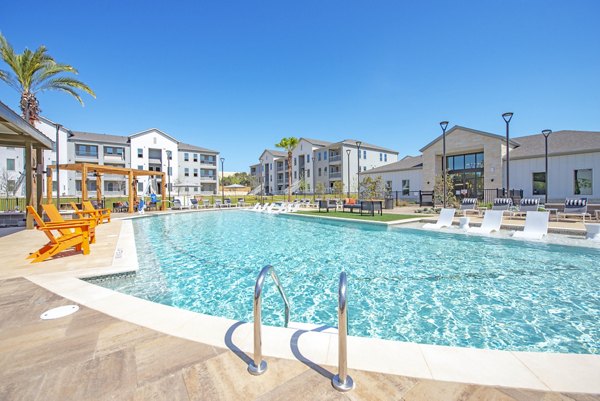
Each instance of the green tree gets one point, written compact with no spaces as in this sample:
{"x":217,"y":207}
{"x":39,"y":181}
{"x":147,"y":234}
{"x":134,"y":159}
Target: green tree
{"x":338,"y":189}
{"x":371,"y":188}
{"x":32,"y":72}
{"x":320,"y":188}
{"x":289,"y":144}
{"x":438,"y":191}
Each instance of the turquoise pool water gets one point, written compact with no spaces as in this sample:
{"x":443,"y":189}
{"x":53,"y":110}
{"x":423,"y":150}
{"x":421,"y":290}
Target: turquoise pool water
{"x":404,"y":284}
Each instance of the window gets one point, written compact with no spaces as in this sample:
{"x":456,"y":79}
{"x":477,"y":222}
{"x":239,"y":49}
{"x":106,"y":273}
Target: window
{"x":113,"y":151}
{"x":195,"y":172}
{"x":295,"y":175}
{"x":140,"y":152}
{"x":364,"y":154}
{"x":539,"y":183}
{"x":325,"y":155}
{"x":381,"y":157}
{"x":308,"y":158}
{"x":140,"y":167}
{"x":294,"y":161}
{"x":86,"y":150}
{"x":195,"y":189}
{"x":385,"y":157}
{"x":470,"y":161}
{"x":319,"y":172}
{"x":186,"y":157}
{"x":319,"y":156}
{"x":325,"y":169}
{"x":364,"y":168}
{"x":308,"y":187}
{"x":195,"y":157}
{"x":307,"y":173}
{"x":187,"y":189}
{"x":140,"y":187}
{"x":91,"y":185}
{"x":186,"y":172}
{"x":154,"y":140}
{"x":11,"y":186}
{"x":10,"y":164}
{"x":583,"y":182}
{"x":405,"y":187}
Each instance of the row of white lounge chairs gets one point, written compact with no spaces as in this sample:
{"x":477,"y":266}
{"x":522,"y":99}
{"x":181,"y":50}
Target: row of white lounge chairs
{"x":536,"y":223}
{"x":276,"y":207}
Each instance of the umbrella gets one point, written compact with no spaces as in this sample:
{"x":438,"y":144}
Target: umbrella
{"x":234,"y":187}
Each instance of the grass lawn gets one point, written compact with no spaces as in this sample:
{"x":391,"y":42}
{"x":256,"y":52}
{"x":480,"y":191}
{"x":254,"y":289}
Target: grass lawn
{"x":357,"y":216}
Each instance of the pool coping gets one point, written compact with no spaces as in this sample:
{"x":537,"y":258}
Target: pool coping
{"x":579,"y":373}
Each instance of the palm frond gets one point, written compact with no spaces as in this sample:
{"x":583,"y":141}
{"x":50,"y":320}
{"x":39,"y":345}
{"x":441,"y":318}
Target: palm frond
{"x":10,"y":79}
{"x":51,"y":70}
{"x":68,"y":82}
{"x":70,"y":91}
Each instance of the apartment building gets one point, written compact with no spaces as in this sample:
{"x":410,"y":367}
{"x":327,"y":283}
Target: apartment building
{"x":191,"y":170}
{"x":317,"y":165}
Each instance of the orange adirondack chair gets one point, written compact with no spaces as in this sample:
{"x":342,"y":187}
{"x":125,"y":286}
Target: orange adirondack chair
{"x":79,"y":239}
{"x":90,"y":212}
{"x":55,"y":217}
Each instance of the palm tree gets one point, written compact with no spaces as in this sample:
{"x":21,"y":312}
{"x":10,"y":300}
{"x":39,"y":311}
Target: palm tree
{"x":289,"y":144}
{"x":32,"y":72}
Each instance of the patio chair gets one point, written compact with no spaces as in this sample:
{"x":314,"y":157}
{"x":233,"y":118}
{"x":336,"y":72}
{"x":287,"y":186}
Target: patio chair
{"x":256,"y":207}
{"x":469,"y":205}
{"x":193,"y":203}
{"x":503,"y":204}
{"x":445,"y":220}
{"x":227,"y":202}
{"x":528,"y":205}
{"x":218,"y":203}
{"x":536,"y":226}
{"x":79,"y":238}
{"x":205,"y":203}
{"x":176,"y":204}
{"x":241,"y":202}
{"x":575,"y":208}
{"x":56,"y":218}
{"x":492,"y":221}
{"x":88,"y":214}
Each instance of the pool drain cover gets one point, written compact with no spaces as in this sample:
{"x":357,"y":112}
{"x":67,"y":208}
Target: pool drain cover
{"x":59,"y":312}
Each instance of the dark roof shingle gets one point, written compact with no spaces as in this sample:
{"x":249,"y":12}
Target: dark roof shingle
{"x":559,"y":142}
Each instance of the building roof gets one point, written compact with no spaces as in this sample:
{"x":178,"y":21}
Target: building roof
{"x":407,"y":163}
{"x":559,"y":143}
{"x":15,"y":131}
{"x":155,"y":130}
{"x":102,"y":138}
{"x":365,"y":145}
{"x":276,"y":153}
{"x":316,"y":142}
{"x":186,"y":146}
{"x":514,"y":143}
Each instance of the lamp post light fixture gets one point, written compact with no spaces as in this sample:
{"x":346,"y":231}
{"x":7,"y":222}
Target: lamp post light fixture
{"x":444,"y":125}
{"x":222,"y":184}
{"x":358,"y":143}
{"x":169,"y":154}
{"x":507,"y":117}
{"x":348,"y":151}
{"x":546,"y":134}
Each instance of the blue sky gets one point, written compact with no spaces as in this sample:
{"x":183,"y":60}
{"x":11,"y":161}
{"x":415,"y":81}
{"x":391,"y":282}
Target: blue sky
{"x":237,"y":76}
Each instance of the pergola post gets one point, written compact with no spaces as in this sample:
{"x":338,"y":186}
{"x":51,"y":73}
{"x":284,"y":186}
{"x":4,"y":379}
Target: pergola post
{"x":84,"y":192}
{"x":163,"y":192}
{"x":29,"y":182}
{"x":130,"y":182}
{"x":49,"y":186}
{"x":99,"y":188}
{"x":39,"y":188}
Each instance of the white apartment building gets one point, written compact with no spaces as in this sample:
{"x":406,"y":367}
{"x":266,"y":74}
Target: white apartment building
{"x":191,"y":170}
{"x":319,"y":165}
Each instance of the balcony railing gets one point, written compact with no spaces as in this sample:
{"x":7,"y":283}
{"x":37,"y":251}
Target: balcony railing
{"x":208,"y":178}
{"x":335,"y":174}
{"x":208,"y":162}
{"x":87,"y":154}
{"x":335,"y":158}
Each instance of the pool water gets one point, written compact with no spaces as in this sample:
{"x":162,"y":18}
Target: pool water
{"x":403,"y":284}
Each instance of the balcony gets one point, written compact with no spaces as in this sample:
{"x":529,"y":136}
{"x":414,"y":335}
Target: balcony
{"x":335,"y":175}
{"x":208,"y":162}
{"x":334,"y":158}
{"x":207,"y":178}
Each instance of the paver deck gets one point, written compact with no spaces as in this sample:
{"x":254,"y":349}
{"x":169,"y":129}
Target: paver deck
{"x":92,"y":356}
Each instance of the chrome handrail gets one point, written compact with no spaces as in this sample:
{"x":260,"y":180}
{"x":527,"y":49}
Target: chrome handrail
{"x":342,"y":381}
{"x":258,"y":366}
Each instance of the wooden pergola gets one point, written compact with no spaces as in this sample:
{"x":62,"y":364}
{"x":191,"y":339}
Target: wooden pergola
{"x":99,"y":170}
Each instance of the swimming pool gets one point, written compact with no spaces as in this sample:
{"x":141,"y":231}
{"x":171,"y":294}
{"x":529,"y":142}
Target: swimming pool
{"x":404,"y":284}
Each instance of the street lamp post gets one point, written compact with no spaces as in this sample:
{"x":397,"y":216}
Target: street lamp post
{"x":546,"y":134}
{"x":507,"y":117}
{"x":222,"y":185}
{"x":169,"y":153}
{"x":358,"y":143}
{"x":444,"y":125}
{"x":348,"y":151}
{"x":57,"y":167}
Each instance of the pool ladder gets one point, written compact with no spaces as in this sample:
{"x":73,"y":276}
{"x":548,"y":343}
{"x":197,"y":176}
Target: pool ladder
{"x":342,"y":381}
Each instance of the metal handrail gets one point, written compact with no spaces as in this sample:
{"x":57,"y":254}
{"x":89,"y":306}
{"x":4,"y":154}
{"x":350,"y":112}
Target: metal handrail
{"x":342,"y":381}
{"x":258,"y":366}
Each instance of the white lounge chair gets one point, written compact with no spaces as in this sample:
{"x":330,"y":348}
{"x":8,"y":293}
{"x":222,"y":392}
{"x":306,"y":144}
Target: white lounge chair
{"x":445,"y":219}
{"x":469,"y":205}
{"x":492,"y":221}
{"x":256,"y":207}
{"x":536,"y":226}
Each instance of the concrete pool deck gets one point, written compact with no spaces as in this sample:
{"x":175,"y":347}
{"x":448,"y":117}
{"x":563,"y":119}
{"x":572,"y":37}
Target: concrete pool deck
{"x":436,"y":367}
